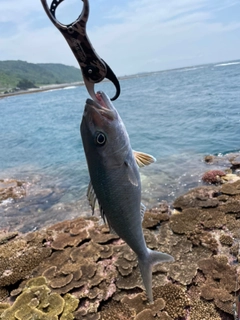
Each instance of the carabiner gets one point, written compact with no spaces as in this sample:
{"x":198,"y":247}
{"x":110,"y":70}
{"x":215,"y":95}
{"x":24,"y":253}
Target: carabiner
{"x":94,"y":69}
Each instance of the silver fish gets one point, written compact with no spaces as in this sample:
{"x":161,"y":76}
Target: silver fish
{"x":115,"y":180}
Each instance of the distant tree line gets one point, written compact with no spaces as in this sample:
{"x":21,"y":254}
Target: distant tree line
{"x":23,"y":75}
{"x":25,"y":84}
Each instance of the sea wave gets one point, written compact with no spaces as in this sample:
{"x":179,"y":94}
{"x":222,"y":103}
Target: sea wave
{"x":51,"y":90}
{"x":227,"y":64}
{"x":70,"y":87}
{"x":193,"y":68}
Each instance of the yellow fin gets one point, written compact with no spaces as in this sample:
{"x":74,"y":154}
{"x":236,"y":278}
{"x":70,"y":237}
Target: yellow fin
{"x":143,"y":159}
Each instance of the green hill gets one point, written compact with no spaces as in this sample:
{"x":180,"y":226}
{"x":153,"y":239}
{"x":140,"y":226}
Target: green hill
{"x":13,"y":71}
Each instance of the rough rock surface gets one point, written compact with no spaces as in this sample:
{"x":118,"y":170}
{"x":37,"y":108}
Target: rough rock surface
{"x":12,"y":189}
{"x":78,"y":270}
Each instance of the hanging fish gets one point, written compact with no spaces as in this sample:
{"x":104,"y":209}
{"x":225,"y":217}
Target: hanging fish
{"x":115,"y":180}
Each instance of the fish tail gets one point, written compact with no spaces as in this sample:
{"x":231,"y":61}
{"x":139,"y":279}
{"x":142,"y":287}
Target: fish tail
{"x":146,"y":264}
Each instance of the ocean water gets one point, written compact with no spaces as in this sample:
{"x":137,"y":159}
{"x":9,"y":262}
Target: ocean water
{"x":178,"y":116}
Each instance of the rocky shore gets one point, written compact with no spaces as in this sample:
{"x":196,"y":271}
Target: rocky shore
{"x":76,"y":269}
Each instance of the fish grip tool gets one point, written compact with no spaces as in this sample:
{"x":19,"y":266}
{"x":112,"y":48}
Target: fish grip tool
{"x":94,"y":69}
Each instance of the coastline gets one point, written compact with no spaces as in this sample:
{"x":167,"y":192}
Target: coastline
{"x":61,"y":86}
{"x":138,"y":75}
{"x":42,"y":88}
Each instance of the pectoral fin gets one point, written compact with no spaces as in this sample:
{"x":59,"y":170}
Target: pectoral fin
{"x":132,"y":177}
{"x":143,"y":159}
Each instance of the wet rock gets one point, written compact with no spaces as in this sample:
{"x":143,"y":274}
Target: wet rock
{"x":6,"y":236}
{"x":12,"y":189}
{"x":209,"y":158}
{"x":235,"y":162}
{"x":228,"y":160}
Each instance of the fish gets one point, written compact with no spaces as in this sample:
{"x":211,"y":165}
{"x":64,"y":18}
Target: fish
{"x":115,"y":180}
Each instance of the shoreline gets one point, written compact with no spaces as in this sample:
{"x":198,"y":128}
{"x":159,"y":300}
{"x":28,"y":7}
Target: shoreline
{"x":125,"y":77}
{"x":42,"y":88}
{"x":60,"y":86}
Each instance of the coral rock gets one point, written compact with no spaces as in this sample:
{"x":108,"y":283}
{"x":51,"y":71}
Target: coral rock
{"x":11,"y":188}
{"x":201,"y":197}
{"x":18,"y":259}
{"x":231,"y":188}
{"x":116,"y":310}
{"x":175,"y":298}
{"x":37,"y":302}
{"x":201,"y":310}
{"x":226,"y":239}
{"x":213,"y":176}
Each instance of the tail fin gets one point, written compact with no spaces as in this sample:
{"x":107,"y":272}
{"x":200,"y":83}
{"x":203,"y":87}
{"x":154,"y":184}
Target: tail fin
{"x":146,"y":264}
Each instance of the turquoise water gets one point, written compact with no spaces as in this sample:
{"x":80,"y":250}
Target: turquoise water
{"x":178,"y":116}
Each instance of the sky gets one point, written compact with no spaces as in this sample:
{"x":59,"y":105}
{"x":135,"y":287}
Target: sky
{"x":132,"y":36}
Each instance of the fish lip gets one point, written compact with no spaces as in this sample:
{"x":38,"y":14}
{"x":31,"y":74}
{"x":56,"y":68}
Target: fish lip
{"x":101,"y":105}
{"x":93,"y":103}
{"x":102,"y":101}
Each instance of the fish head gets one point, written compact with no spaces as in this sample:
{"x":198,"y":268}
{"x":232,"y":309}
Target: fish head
{"x":103,"y":132}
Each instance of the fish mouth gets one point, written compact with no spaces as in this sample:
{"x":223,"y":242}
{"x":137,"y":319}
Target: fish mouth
{"x":102,"y":106}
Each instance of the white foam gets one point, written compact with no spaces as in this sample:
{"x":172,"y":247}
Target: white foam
{"x":51,"y":90}
{"x":7,"y":201}
{"x":227,"y":64}
{"x":70,"y":87}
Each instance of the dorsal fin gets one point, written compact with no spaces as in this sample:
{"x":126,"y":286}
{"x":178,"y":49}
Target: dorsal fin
{"x":143,"y":159}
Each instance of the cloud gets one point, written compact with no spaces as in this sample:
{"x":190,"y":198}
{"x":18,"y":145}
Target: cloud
{"x":132,"y":36}
{"x":160,"y":31}
{"x":16,"y":12}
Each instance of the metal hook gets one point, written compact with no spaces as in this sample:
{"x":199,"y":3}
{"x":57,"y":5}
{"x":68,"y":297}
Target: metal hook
{"x":94,"y":69}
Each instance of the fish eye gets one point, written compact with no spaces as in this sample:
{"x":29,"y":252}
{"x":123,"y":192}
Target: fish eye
{"x":100,"y":138}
